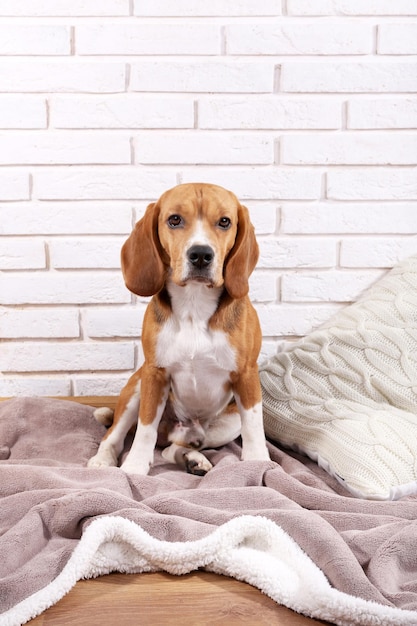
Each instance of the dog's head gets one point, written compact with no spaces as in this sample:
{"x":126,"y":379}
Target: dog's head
{"x":194,"y":232}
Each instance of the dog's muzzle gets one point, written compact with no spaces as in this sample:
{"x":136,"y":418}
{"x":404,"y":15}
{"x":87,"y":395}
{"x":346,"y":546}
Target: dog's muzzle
{"x":200,"y":259}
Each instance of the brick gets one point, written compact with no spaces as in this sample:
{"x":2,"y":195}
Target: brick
{"x":86,"y":253}
{"x":99,"y":385}
{"x":185,"y":8}
{"x":104,"y":183}
{"x":148,"y":39}
{"x":351,"y":7}
{"x":22,"y":112}
{"x":376,"y":251}
{"x":263,"y":287}
{"x":14,"y":185}
{"x":121,"y":111}
{"x":279,"y":320}
{"x":300,"y":38}
{"x":58,"y":322}
{"x":391,"y":113}
{"x":35,"y":39}
{"x":373,"y":183}
{"x":292,"y":252}
{"x":261,"y":183}
{"x":204,"y":147}
{"x":63,"y":288}
{"x":325,"y":229}
{"x":268,"y":349}
{"x":114,"y":321}
{"x":140,"y":208}
{"x":65,"y":218}
{"x":350,"y":217}
{"x":232,"y":76}
{"x":63,"y":148}
{"x":263,"y":216}
{"x":65,"y":357}
{"x":350,"y":149}
{"x":327,"y":286}
{"x":64,"y":8}
{"x":31,"y":76}
{"x":268,"y":112}
{"x":11,"y":386}
{"x":347,"y":76}
{"x":397,"y":38}
{"x":19,"y":253}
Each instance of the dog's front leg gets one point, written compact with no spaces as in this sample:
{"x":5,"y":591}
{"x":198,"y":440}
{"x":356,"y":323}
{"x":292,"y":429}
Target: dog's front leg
{"x":154,"y":394}
{"x":248,"y":396}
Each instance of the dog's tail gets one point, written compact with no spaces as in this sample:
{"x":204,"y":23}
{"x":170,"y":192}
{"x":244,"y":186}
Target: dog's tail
{"x":104,"y":415}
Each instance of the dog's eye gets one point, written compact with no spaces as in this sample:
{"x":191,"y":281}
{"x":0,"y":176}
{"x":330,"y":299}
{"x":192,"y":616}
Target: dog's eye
{"x":174,"y":221}
{"x":224,"y":223}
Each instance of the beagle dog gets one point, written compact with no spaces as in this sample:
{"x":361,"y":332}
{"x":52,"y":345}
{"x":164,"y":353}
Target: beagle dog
{"x":198,"y":387}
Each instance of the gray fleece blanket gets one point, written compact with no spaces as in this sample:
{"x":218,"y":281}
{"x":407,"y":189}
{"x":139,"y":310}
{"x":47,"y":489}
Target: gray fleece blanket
{"x":285,"y":526}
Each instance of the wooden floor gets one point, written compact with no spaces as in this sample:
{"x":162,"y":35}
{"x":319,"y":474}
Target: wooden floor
{"x":159,"y":599}
{"x":196,"y":599}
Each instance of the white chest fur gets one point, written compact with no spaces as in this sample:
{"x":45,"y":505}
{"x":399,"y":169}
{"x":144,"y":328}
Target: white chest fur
{"x":199,"y":360}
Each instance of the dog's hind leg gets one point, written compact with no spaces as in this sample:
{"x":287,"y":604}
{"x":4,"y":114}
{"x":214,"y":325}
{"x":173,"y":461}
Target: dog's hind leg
{"x":192,"y":460}
{"x":224,"y":428}
{"x":220,"y":430}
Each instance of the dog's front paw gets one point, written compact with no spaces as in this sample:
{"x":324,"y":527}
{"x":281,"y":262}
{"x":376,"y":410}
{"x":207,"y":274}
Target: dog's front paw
{"x":196,"y":463}
{"x":131,"y":467}
{"x":259,"y":453}
{"x":103,"y":458}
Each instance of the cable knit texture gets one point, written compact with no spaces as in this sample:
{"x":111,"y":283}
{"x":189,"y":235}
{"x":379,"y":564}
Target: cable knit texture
{"x":346,"y":395}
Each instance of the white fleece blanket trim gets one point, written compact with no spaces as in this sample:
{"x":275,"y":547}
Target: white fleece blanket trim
{"x":248,"y":548}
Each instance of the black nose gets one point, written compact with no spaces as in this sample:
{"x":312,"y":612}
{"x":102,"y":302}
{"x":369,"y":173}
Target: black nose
{"x":200,"y":256}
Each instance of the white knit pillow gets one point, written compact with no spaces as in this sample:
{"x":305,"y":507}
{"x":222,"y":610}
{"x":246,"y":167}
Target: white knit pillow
{"x":346,"y":395}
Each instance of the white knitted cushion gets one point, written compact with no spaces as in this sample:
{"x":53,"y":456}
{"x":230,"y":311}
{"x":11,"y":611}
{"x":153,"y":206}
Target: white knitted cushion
{"x":346,"y":395}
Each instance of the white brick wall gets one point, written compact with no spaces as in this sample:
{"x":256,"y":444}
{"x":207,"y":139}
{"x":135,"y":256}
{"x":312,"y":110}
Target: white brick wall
{"x":307,"y":109}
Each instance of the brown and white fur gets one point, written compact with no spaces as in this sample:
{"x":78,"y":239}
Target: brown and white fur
{"x":198,"y":387}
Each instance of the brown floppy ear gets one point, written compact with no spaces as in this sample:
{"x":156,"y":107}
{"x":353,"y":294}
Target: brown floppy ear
{"x":141,"y":256}
{"x":242,"y":257}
